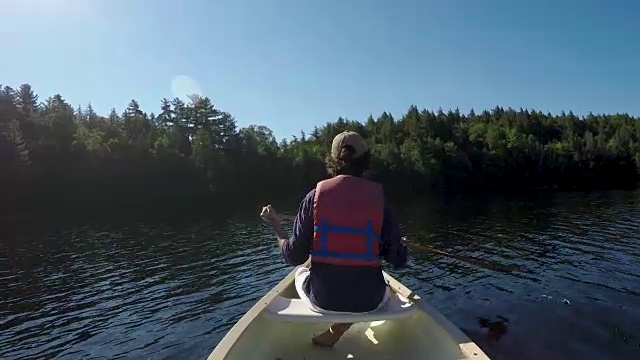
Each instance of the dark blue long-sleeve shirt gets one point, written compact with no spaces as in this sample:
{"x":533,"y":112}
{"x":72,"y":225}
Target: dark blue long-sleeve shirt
{"x":341,"y":288}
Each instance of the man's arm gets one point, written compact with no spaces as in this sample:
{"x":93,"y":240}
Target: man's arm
{"x":391,"y":248}
{"x":281,"y":235}
{"x":296,"y":249}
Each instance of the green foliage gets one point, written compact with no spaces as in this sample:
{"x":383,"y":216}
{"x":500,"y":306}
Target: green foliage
{"x":194,"y":153}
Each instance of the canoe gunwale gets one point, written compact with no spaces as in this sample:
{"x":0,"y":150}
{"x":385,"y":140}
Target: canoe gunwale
{"x":227,"y":342}
{"x":469,"y":348}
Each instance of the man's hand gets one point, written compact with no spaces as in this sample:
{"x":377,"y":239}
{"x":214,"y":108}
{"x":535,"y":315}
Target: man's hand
{"x":269,"y":214}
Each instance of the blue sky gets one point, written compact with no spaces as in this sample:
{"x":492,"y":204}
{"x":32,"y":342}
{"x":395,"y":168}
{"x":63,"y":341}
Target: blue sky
{"x":290,"y":64}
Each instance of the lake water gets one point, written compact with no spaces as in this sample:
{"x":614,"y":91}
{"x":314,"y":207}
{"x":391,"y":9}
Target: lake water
{"x":170,"y":289}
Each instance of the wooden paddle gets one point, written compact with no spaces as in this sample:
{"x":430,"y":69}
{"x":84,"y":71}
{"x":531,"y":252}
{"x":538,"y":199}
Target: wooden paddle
{"x":429,"y":249}
{"x":470,"y":260}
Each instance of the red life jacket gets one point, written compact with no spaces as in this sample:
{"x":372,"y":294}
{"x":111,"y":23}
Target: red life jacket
{"x":348,"y":213}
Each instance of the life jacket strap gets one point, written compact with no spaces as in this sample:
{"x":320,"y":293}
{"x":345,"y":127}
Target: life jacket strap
{"x":324,"y":228}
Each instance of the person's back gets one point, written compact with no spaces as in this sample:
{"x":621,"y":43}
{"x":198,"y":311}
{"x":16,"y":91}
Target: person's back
{"x":346,"y":271}
{"x":344,"y":227}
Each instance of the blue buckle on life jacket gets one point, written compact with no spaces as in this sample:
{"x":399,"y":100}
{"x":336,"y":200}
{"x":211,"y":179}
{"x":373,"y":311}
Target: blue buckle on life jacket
{"x":325,"y":228}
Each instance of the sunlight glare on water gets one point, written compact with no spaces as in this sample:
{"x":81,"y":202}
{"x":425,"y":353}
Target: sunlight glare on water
{"x":171,"y":288}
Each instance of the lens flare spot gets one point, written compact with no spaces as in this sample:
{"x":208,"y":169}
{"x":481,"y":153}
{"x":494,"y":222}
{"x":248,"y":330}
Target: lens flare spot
{"x":183,"y":85}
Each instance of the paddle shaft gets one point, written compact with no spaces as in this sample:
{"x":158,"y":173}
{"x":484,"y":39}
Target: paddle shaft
{"x":432,"y":250}
{"x":475,"y":261}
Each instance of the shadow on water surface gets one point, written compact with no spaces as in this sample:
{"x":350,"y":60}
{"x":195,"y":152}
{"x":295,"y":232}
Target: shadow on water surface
{"x":171,"y":286}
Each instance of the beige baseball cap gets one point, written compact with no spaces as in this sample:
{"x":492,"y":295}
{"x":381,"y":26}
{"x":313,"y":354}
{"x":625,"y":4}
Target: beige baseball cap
{"x":348,"y":138}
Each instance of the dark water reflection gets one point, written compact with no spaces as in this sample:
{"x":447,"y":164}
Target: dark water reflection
{"x":169,"y":289}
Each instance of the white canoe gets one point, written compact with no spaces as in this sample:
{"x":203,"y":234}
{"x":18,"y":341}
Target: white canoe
{"x":280,"y":327}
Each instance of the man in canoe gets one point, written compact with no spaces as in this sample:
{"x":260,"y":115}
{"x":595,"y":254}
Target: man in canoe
{"x":344,"y":227}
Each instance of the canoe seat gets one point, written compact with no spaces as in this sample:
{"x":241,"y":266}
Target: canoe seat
{"x":295,"y":310}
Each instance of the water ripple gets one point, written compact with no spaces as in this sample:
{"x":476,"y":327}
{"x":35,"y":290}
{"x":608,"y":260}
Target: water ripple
{"x":171,"y":290}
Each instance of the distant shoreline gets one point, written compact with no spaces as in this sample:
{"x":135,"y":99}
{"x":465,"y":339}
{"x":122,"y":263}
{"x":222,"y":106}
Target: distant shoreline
{"x":192,"y":155}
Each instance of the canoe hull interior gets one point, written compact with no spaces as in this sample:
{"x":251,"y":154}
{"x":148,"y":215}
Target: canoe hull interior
{"x":421,"y":334}
{"x":413,"y":337}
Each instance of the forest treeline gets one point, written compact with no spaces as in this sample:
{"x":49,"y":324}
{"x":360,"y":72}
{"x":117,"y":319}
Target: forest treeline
{"x":190,"y":152}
